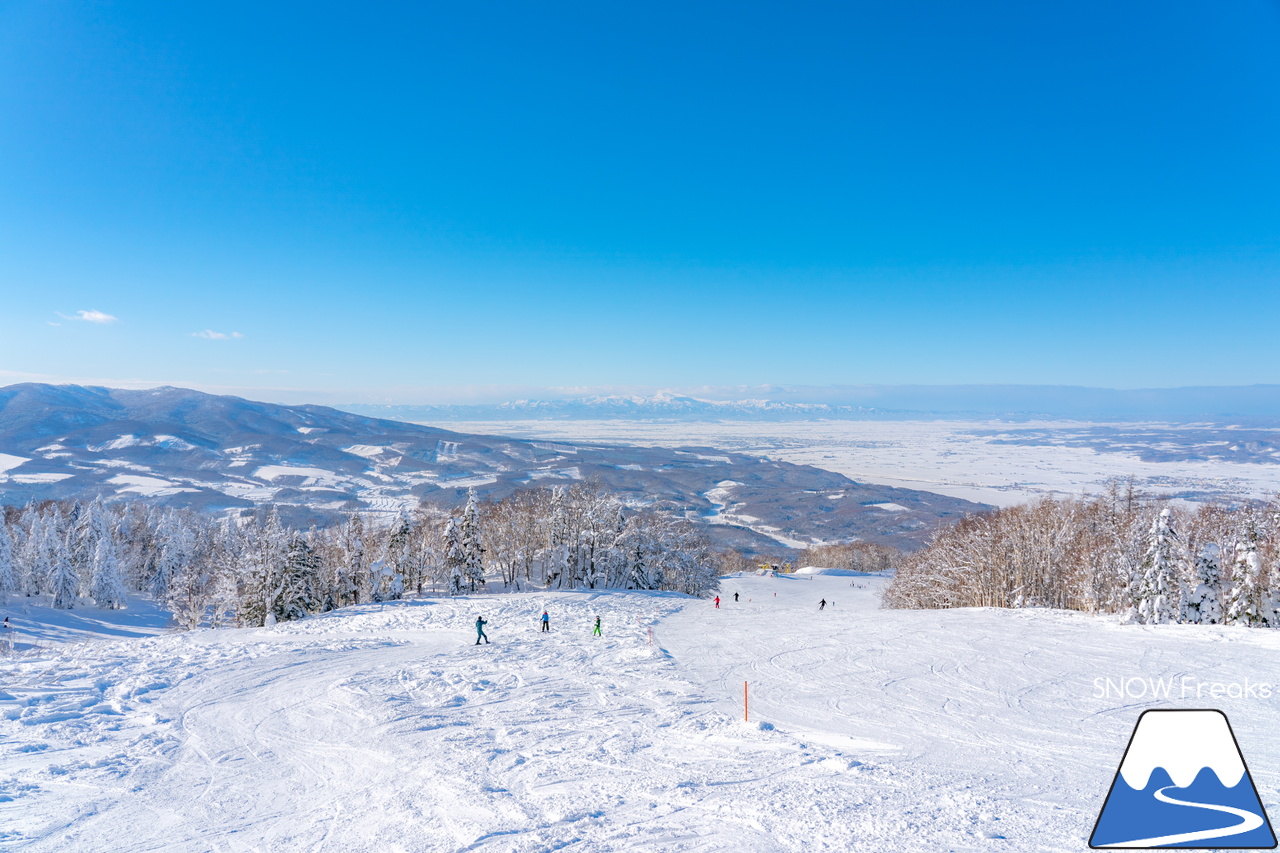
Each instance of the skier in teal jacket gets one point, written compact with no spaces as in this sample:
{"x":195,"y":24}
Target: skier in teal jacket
{"x":480,"y":634}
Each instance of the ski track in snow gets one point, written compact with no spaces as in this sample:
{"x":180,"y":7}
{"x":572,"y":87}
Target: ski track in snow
{"x":385,"y":728}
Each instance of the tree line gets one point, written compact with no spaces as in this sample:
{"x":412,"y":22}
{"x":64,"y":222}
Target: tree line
{"x":1150,"y":560}
{"x":254,"y":569}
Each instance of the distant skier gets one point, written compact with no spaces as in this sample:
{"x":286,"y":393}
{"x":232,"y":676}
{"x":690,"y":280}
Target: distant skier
{"x":595,"y":632}
{"x":822,"y":604}
{"x":480,"y":634}
{"x":546,"y":621}
{"x":735,"y":598}
{"x":717,"y":602}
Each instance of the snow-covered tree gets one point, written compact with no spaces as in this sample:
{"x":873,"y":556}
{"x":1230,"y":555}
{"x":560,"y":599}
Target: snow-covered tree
{"x":472,"y":548}
{"x":105,"y":586}
{"x":8,"y":569}
{"x":203,"y":587}
{"x":89,"y":526}
{"x":349,"y":572}
{"x":388,"y":583}
{"x":39,"y":547}
{"x":556,"y":563}
{"x":299,"y":593}
{"x":1202,"y":594}
{"x":64,"y":583}
{"x":1157,"y":596}
{"x":455,"y":557}
{"x":403,"y":557}
{"x":263,"y":570}
{"x":175,"y":549}
{"x":1248,"y":602}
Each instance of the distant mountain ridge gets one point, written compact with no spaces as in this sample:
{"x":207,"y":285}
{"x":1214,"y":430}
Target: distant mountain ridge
{"x":182,"y":447}
{"x":1255,"y":404}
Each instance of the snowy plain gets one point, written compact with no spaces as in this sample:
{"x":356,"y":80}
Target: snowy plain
{"x":385,"y":728}
{"x":963,"y":459}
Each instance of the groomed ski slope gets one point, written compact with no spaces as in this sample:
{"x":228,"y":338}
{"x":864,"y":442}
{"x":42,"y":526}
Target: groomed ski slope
{"x":383,"y":728}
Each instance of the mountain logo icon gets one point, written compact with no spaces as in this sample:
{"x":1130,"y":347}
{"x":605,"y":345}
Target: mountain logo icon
{"x":1183,"y":783}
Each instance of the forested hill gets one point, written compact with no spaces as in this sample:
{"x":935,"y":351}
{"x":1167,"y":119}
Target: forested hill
{"x":186,"y":448}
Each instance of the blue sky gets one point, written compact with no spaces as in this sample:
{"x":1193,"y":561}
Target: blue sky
{"x":424,"y":200}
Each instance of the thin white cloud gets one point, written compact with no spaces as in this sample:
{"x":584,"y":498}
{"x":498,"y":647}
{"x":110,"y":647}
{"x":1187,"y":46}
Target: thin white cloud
{"x":211,"y":335}
{"x":92,"y":316}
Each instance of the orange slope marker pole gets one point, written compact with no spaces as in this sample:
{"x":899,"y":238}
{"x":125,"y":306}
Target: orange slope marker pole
{"x":745,"y":716}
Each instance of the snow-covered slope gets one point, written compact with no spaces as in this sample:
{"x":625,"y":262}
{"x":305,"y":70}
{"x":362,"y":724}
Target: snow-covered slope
{"x":385,"y":728}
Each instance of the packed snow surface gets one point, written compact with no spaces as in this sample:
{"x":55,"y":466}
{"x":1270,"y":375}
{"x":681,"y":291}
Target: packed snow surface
{"x":385,"y":728}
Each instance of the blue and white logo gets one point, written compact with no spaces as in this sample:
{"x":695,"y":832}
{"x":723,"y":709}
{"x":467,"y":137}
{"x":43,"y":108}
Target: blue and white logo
{"x":1183,"y":783}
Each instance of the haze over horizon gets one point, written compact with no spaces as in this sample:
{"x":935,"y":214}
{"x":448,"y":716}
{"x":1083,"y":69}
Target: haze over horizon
{"x":1254,"y":405}
{"x":307,"y":202}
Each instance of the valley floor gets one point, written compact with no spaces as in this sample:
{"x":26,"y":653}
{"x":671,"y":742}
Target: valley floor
{"x":987,"y":461}
{"x":384,"y":728}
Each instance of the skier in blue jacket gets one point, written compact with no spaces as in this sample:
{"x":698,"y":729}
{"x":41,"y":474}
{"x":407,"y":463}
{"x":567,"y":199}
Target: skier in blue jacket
{"x":480,"y":634}
{"x":546,"y":621}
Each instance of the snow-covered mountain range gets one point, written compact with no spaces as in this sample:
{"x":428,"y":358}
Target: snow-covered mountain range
{"x":187,"y":448}
{"x":1255,"y":404}
{"x":621,"y":406}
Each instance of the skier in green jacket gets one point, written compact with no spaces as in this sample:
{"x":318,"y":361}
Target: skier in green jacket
{"x":595,"y":632}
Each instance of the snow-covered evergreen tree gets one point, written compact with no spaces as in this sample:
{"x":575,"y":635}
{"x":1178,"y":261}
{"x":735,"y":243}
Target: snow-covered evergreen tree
{"x":196,"y":584}
{"x":299,"y":594}
{"x":105,"y":586}
{"x":472,"y":548}
{"x":88,"y":525}
{"x":225,"y":549}
{"x":64,"y":583}
{"x":37,"y":555}
{"x":401,"y":560}
{"x":349,"y":576}
{"x":1158,"y":591}
{"x":175,"y":548}
{"x":455,"y":558}
{"x":1202,"y":594}
{"x":8,"y":567}
{"x":644,"y":570}
{"x":263,"y":569}
{"x":1248,"y":602}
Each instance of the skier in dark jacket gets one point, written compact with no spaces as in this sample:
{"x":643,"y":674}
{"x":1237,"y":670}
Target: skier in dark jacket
{"x":735,"y":596}
{"x":480,"y":634}
{"x":822,"y":604}
{"x":546,"y":621}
